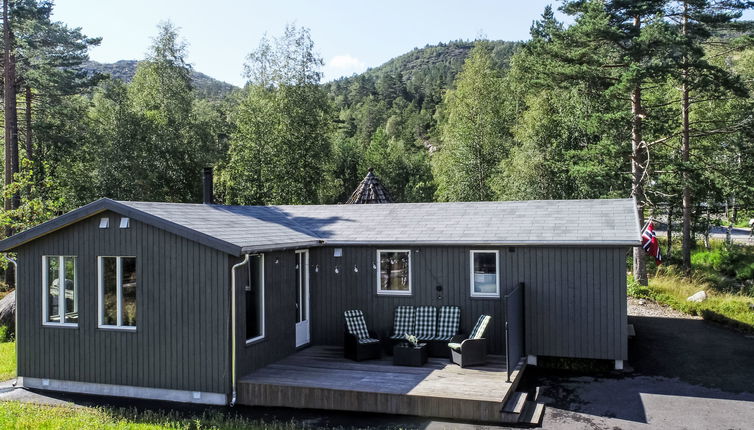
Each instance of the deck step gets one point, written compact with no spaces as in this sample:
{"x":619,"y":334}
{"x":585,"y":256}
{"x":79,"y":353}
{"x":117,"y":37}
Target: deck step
{"x":534,"y":394}
{"x":515,"y":403}
{"x":532,"y":414}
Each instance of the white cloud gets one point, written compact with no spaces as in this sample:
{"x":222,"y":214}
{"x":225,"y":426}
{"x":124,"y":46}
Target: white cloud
{"x":342,"y":65}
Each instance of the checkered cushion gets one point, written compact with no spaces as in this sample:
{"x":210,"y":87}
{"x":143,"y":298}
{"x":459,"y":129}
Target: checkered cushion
{"x":426,"y":322}
{"x":356,"y":324}
{"x":447,"y":324}
{"x":368,"y":340}
{"x":480,"y":327}
{"x":403,"y":322}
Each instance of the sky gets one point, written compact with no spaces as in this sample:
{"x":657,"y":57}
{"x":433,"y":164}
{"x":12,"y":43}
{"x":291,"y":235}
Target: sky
{"x":349,"y":35}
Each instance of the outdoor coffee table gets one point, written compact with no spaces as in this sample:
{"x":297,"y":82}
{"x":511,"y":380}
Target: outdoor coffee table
{"x":407,"y":355}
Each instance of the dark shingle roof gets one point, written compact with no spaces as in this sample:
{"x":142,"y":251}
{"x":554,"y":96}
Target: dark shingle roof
{"x":239,"y":229}
{"x":370,"y":190}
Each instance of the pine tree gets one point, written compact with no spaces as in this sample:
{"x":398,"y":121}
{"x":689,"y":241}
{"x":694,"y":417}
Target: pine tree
{"x":617,"y":47}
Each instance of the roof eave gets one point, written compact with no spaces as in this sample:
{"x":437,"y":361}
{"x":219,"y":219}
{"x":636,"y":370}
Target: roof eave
{"x":281,"y":246}
{"x":106,"y":204}
{"x":617,"y":243}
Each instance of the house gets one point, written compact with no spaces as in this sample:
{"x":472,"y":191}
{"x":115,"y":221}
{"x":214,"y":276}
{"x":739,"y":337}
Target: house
{"x":178,"y":301}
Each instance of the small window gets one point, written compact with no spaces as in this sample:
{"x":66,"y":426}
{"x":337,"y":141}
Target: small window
{"x":254,"y":299}
{"x":117,"y":292}
{"x":125,"y":222}
{"x":60,"y":291}
{"x":104,"y":222}
{"x":394,"y":272}
{"x":485,"y":276}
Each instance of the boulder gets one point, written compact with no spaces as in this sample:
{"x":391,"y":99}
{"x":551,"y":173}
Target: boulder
{"x":698,"y":297}
{"x":8,"y":310}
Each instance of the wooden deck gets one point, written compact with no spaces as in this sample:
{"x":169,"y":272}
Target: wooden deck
{"x":320,"y":378}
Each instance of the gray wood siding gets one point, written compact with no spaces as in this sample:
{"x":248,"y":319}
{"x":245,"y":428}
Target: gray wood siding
{"x":181,"y":341}
{"x":280,"y":314}
{"x":575,"y":297}
{"x":575,"y":301}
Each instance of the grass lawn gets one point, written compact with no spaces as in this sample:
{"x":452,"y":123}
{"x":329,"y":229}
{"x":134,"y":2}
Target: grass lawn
{"x":7,"y":360}
{"x":724,"y":272}
{"x":672,"y":290}
{"x":29,"y":416}
{"x":7,"y":356}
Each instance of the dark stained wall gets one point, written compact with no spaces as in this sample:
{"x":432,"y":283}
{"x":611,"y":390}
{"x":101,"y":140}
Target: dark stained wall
{"x":575,"y":297}
{"x":431,"y":266}
{"x":280,"y":314}
{"x":181,"y":341}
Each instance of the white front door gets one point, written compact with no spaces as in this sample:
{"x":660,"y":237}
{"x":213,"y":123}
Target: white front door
{"x":302,"y":297}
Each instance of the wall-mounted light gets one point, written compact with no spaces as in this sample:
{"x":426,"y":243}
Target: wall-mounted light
{"x":355,"y":269}
{"x":337,"y":269}
{"x":316,"y":268}
{"x":374,"y":265}
{"x":277,"y":261}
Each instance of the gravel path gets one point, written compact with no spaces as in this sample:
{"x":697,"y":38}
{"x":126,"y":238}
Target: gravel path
{"x":649,"y":308}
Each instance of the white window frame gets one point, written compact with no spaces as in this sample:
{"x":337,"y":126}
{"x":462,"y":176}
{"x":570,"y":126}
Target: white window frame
{"x":263,"y":304}
{"x":61,"y":290}
{"x":118,"y":289}
{"x":382,"y":292}
{"x":496,"y":294}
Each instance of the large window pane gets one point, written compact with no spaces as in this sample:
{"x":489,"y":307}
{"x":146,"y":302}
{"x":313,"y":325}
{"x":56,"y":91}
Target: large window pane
{"x":395,"y":272}
{"x":110,"y":291}
{"x":128,"y":268}
{"x":71,"y":304}
{"x":254,"y":298}
{"x":53,"y":289}
{"x":484,"y":273}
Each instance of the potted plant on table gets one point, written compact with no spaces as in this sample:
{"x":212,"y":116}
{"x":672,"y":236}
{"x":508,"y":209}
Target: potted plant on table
{"x":412,"y":340}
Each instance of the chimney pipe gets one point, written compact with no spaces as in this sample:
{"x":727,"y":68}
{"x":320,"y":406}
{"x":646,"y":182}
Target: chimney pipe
{"x":209,"y":197}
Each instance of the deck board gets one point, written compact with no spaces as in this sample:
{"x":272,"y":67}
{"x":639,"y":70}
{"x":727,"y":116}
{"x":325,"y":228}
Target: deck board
{"x":320,"y":378}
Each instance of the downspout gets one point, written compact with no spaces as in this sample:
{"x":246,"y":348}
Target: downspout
{"x":233,"y":323}
{"x":15,"y":316}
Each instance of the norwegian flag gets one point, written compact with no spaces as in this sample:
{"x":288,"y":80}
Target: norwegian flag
{"x":650,"y":243}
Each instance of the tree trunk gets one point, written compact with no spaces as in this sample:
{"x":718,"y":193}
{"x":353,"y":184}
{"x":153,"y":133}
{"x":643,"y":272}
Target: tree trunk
{"x":669,"y":248}
{"x":637,"y":189}
{"x":637,"y":170}
{"x":29,"y":146}
{"x":687,"y":203}
{"x":11,"y":123}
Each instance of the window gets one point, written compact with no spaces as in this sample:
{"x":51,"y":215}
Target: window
{"x":394,"y":272}
{"x":485,"y":279}
{"x":254,"y":299}
{"x":117,"y":292}
{"x":59,"y":307}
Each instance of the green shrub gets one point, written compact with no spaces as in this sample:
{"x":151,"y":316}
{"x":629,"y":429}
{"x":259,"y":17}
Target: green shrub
{"x":5,"y":333}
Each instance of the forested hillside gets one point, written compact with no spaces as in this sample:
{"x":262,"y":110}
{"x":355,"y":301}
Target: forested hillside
{"x":125,"y":70}
{"x":644,"y":99}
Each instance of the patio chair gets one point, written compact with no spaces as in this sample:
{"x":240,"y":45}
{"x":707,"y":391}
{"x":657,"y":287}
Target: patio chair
{"x":358,"y":342}
{"x":403,"y":322}
{"x":448,"y":324}
{"x":471,"y":351}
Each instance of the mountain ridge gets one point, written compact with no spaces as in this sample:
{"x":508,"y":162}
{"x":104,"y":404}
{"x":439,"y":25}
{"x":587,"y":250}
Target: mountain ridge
{"x":125,"y":70}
